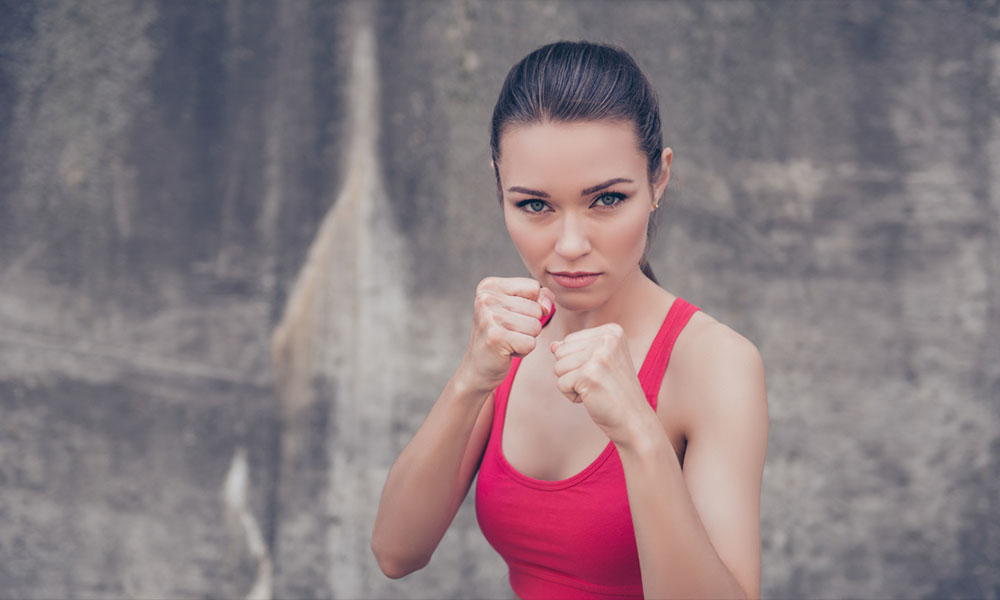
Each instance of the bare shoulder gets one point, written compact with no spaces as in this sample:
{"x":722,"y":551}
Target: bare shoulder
{"x":716,"y":373}
{"x":706,"y":345}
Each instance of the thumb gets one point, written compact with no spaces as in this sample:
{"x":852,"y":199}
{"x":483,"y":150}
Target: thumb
{"x":546,"y":299}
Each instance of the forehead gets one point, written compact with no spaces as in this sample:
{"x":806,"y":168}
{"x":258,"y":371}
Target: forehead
{"x":578,"y":152}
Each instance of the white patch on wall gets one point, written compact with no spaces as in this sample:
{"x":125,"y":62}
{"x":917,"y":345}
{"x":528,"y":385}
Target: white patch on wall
{"x":240,"y":518}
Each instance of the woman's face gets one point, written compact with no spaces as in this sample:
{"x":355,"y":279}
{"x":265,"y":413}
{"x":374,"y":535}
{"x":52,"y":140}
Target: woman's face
{"x":577,"y":201}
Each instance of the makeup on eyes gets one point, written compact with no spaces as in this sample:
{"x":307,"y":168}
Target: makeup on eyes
{"x":537,"y":205}
{"x":585,"y":192}
{"x":620,"y":197}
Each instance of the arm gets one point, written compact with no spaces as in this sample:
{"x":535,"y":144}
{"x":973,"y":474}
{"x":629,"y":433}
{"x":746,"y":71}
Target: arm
{"x":698,"y":530}
{"x":428,"y":481}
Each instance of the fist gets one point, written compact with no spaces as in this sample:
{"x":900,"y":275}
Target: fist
{"x":505,"y":323}
{"x":593,"y":367}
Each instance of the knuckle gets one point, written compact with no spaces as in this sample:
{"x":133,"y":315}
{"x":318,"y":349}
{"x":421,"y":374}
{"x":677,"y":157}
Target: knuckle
{"x":493,"y":335}
{"x":535,"y":327}
{"x":485,"y":284}
{"x":484,"y":299}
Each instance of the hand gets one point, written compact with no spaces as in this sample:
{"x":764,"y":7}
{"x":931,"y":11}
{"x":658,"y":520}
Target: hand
{"x":505,"y":323}
{"x":594,"y":367}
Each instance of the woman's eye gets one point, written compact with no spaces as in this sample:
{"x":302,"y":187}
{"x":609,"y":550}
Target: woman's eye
{"x":609,"y":200}
{"x":535,"y":206}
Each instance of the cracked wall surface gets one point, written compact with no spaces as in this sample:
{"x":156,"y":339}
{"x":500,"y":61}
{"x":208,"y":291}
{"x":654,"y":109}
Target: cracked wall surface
{"x":239,"y":243}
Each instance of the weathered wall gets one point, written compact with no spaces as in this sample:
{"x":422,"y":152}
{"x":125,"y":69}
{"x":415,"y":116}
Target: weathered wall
{"x":238,"y":243}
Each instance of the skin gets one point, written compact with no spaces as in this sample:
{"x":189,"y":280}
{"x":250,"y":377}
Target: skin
{"x":693,"y":467}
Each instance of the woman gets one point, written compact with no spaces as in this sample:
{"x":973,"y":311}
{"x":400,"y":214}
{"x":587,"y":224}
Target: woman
{"x":599,"y":476}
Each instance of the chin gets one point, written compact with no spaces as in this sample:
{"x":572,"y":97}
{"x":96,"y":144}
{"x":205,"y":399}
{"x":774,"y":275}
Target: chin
{"x":578,"y":301}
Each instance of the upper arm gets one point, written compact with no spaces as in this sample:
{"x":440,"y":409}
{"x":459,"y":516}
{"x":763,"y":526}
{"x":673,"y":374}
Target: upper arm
{"x":727,"y":442}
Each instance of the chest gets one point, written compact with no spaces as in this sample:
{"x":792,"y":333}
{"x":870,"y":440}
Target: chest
{"x":547,"y":437}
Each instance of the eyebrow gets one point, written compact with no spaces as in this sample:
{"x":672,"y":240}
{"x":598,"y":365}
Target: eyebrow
{"x":585,"y":192}
{"x":601,"y":186}
{"x":524,"y":190}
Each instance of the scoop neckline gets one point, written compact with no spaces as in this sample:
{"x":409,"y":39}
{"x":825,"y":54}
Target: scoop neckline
{"x":609,"y":449}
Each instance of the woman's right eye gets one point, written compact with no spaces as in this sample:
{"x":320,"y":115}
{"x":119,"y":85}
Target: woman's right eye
{"x":532,"y":206}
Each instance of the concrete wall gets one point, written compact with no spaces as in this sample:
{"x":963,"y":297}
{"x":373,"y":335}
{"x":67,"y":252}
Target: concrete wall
{"x":238,"y":244}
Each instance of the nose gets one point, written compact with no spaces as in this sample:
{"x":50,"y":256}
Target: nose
{"x":573,"y":241}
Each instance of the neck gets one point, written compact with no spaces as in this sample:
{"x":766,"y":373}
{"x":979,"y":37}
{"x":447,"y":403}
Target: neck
{"x":620,"y":308}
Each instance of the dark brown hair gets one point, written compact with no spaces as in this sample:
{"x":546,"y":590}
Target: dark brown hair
{"x":581,"y":81}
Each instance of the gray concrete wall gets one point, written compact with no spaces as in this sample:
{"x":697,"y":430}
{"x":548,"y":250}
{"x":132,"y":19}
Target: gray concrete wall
{"x":238,"y":243}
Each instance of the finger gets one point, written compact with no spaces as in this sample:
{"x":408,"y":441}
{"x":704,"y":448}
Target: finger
{"x":565,"y":348}
{"x":489,"y":301}
{"x":567,"y":385}
{"x":520,"y":344}
{"x":546,"y":299}
{"x":517,"y":322}
{"x":513,"y":286}
{"x":570,"y":363}
{"x":507,"y":342}
{"x":608,"y":329}
{"x":521,"y":305}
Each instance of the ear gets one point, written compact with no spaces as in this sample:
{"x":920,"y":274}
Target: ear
{"x":660,"y":185}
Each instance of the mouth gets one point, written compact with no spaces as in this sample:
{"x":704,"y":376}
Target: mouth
{"x":575,"y":279}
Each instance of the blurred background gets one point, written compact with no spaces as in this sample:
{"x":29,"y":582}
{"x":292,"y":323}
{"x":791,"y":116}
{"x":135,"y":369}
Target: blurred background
{"x":239,"y":242}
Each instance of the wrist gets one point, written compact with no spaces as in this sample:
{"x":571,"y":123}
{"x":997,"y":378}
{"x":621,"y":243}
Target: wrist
{"x":643,"y":434}
{"x":466,"y":382}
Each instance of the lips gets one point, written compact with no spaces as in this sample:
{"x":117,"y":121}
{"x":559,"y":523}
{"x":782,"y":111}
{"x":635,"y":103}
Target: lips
{"x":576,"y":279}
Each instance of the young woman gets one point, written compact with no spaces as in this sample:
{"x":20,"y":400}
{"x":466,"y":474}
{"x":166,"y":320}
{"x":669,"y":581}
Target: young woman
{"x":600,"y":476}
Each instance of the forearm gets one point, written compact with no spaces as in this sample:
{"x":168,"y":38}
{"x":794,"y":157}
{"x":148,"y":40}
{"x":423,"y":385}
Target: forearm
{"x":676,"y":556}
{"x":425,"y":485}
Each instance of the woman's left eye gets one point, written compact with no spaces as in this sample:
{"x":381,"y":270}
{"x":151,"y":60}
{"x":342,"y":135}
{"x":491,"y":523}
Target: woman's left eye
{"x":609,"y":200}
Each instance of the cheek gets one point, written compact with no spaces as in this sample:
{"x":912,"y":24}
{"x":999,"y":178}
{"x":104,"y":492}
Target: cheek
{"x":529,"y":244}
{"x":529,"y":240}
{"x":628,"y":240}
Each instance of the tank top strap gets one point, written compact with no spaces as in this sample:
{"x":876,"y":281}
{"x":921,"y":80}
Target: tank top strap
{"x":500,"y":395}
{"x":651,"y":373}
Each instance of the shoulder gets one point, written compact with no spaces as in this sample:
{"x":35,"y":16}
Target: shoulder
{"x":707,"y":346}
{"x":717,"y":375}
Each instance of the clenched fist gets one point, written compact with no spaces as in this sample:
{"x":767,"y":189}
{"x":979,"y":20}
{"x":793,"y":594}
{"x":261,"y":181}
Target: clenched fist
{"x":594,"y":367}
{"x":505,"y":323}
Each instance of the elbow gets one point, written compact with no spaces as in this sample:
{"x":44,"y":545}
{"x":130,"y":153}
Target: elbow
{"x":393,"y":570}
{"x":395,"y":567}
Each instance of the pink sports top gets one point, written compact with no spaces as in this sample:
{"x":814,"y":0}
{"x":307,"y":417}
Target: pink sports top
{"x":571,"y":538}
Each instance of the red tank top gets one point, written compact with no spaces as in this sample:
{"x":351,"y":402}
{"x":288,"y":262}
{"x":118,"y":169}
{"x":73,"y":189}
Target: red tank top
{"x":571,"y":538}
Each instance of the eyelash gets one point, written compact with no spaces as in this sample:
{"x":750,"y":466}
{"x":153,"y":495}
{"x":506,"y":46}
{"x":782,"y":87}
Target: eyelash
{"x":616,"y":195}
